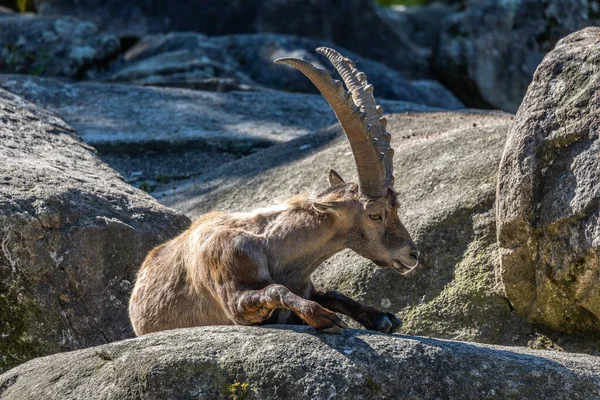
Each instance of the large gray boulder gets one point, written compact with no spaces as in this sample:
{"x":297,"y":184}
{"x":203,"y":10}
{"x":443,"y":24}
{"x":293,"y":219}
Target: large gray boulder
{"x":296,"y":363}
{"x":354,"y":24}
{"x":489,"y":51}
{"x":152,"y":134}
{"x":72,"y":236}
{"x":188,"y":59}
{"x":49,"y":46}
{"x":445,"y":167}
{"x":549,"y":191}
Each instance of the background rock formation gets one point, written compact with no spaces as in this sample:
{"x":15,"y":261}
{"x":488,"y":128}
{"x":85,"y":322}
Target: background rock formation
{"x":485,"y":51}
{"x":354,"y":24}
{"x":488,"y":53}
{"x":47,"y":46}
{"x":72,"y":236}
{"x":244,"y":62}
{"x":549,"y":191}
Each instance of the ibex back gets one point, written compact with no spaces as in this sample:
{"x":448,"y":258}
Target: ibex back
{"x":253,"y":268}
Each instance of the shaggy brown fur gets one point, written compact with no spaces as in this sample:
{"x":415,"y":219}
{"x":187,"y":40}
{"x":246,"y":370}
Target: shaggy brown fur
{"x":238,"y":268}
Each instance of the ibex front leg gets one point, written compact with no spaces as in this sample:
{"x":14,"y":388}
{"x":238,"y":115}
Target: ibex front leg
{"x":254,"y":306}
{"x":369,"y":317}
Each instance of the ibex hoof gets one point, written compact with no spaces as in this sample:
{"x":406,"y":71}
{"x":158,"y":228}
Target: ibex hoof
{"x":327,"y":321}
{"x":387,"y":323}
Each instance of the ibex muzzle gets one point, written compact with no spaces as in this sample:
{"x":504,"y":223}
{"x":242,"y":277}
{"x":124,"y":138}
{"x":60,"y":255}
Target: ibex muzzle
{"x":378,"y":233}
{"x":254,"y":268}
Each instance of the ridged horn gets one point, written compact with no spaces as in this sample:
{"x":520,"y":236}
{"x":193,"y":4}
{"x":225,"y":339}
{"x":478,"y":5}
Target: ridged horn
{"x":360,"y":118}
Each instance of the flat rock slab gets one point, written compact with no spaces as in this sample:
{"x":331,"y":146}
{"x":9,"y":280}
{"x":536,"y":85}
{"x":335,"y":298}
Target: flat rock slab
{"x":296,"y":363}
{"x":125,"y":118}
{"x":153,"y":135}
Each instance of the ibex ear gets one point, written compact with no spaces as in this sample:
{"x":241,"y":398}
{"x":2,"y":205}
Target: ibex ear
{"x":334,"y":178}
{"x":330,"y":207}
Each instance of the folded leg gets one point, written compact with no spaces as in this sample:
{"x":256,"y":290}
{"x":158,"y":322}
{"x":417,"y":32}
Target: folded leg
{"x":369,"y":317}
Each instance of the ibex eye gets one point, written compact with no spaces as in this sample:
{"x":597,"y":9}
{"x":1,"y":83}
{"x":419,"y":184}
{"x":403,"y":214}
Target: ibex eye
{"x":375,"y":217}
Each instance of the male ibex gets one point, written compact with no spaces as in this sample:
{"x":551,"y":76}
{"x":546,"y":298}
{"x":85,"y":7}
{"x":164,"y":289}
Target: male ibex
{"x":252,"y":268}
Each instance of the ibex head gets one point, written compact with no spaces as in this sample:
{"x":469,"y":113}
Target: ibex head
{"x":369,"y":209}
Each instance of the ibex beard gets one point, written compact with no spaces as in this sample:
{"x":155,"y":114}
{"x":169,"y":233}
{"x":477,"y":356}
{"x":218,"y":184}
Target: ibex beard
{"x":255,"y":268}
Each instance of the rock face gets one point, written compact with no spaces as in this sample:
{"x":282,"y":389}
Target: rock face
{"x":72,"y":236}
{"x":341,"y":22}
{"x":295,"y":363}
{"x":193,"y":60}
{"x":47,"y":46}
{"x":548,"y":192}
{"x":420,"y":24}
{"x":488,"y":53}
{"x":354,"y":24}
{"x":445,"y":167}
{"x":163,"y":133}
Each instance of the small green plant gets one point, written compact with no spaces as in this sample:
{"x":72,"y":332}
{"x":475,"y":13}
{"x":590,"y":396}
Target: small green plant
{"x":161,"y":178}
{"x":146,"y":187}
{"x":18,"y":61}
{"x":238,"y":390}
{"x":371,"y":385}
{"x":105,"y":355}
{"x":543,"y":342}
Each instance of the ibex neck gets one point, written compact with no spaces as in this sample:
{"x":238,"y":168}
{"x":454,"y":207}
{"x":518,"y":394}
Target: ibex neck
{"x":300,"y":240}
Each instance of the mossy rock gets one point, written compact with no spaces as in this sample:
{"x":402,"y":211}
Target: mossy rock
{"x":548,"y":192}
{"x":72,"y":236}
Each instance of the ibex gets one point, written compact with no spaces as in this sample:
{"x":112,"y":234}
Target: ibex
{"x":254,"y":268}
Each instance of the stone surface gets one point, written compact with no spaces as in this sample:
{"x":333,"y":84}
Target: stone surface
{"x":193,"y":60}
{"x":489,"y":52}
{"x":48,"y":46}
{"x":72,"y":236}
{"x":445,"y":168}
{"x":354,"y":24}
{"x":171,"y":126}
{"x":420,"y":24}
{"x":181,"y":59}
{"x":4,"y":11}
{"x":295,"y":363}
{"x":548,"y":191}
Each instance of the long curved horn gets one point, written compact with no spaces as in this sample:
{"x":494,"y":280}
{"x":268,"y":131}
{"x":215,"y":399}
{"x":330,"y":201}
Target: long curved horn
{"x":359,"y":116}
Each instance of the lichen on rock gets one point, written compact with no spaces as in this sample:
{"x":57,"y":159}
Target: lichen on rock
{"x":548,"y":194}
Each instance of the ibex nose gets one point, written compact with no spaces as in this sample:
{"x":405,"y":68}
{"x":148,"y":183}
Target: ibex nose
{"x":414,"y":254}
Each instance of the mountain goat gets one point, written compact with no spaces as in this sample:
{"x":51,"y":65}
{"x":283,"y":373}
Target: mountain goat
{"x":255,"y":268}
